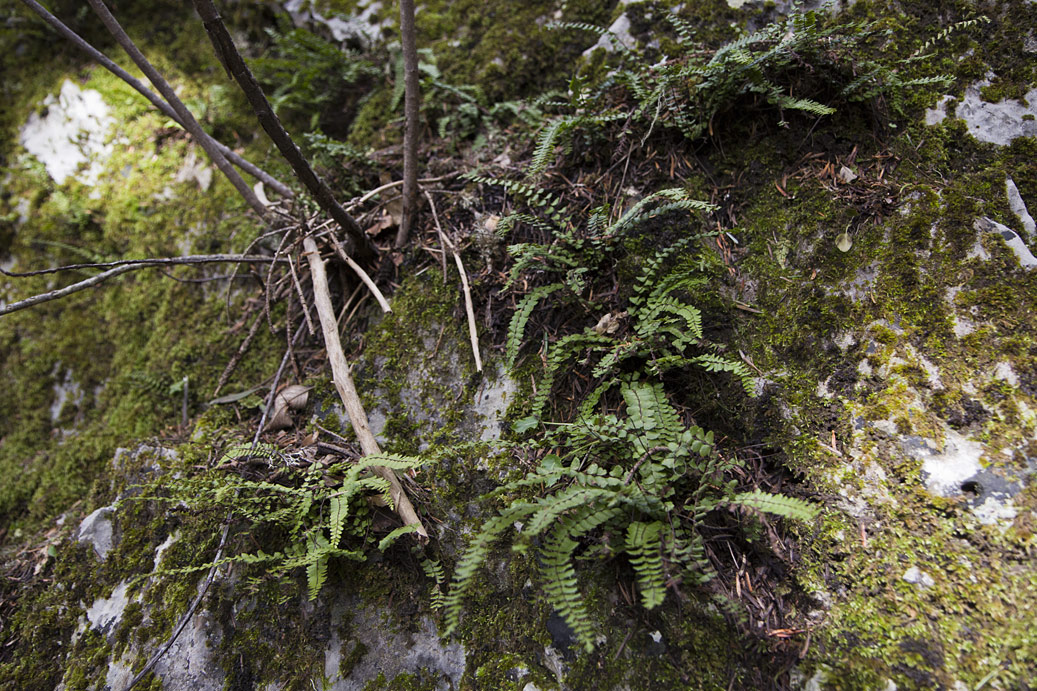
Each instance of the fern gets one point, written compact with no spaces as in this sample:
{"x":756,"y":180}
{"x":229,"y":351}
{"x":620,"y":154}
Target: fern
{"x":644,"y":545}
{"x":780,"y":505}
{"x":517,"y":326}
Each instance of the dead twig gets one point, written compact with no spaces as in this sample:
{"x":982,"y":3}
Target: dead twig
{"x":233,"y":364}
{"x":228,"y":54}
{"x":126,"y":267}
{"x":472,"y":334}
{"x":341,"y":252}
{"x":346,"y":388}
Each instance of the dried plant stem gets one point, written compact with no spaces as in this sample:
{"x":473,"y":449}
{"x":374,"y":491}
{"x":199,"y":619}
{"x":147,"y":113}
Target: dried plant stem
{"x":448,"y":244}
{"x":367,"y":280}
{"x":346,"y":388}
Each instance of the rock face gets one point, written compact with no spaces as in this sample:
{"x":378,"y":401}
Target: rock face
{"x":879,"y":282}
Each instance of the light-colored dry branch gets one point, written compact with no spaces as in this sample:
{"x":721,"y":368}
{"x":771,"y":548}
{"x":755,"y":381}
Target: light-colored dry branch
{"x":389,"y":185}
{"x":359,"y":270}
{"x":347,"y":390}
{"x":472,"y":334}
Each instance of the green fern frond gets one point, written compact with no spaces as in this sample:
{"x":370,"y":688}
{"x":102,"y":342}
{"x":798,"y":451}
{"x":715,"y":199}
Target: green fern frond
{"x":778,"y":504}
{"x":389,"y":539}
{"x":561,"y":587}
{"x":475,"y":556}
{"x":517,"y":326}
{"x":644,"y":545}
{"x":717,"y":363}
{"x":549,"y":204}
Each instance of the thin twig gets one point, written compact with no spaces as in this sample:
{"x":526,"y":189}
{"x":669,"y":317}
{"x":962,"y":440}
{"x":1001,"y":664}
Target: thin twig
{"x":189,"y":613}
{"x":228,"y":54}
{"x":302,"y":299}
{"x":382,"y":302}
{"x":347,"y":390}
{"x":131,"y":265}
{"x":389,"y":185}
{"x":472,"y":334}
{"x":232,"y":365}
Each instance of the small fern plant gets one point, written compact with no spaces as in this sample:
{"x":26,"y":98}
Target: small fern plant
{"x":664,"y":332}
{"x":646,"y":476}
{"x":313,"y":514}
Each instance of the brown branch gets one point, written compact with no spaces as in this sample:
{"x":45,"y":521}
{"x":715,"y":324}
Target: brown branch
{"x":188,"y":120}
{"x":361,"y":245}
{"x":411,"y":105}
{"x":347,"y":390}
{"x":102,"y":59}
{"x":125,"y":267}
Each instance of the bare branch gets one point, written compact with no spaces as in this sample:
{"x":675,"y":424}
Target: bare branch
{"x":411,"y":105}
{"x":347,"y":390}
{"x":227,"y":52}
{"x":473,"y":336}
{"x":125,"y":267}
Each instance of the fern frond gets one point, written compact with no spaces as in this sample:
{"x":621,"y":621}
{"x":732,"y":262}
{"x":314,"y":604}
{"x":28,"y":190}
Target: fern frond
{"x":517,"y":326}
{"x":716,"y":363}
{"x":561,"y":587}
{"x":644,"y":545}
{"x":778,"y":504}
{"x":475,"y":556}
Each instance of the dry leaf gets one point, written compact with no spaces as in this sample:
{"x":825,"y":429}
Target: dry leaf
{"x":292,"y":397}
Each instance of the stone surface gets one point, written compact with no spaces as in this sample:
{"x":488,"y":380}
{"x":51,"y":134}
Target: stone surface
{"x":997,"y":123}
{"x":96,"y":529}
{"x":390,"y":652}
{"x":70,"y":131}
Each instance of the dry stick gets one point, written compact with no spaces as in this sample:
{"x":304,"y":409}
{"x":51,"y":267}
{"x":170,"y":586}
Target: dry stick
{"x":99,"y":57}
{"x":346,"y":389}
{"x":192,"y":126}
{"x":233,"y":364}
{"x":302,"y":298}
{"x":231,"y":59}
{"x":464,"y":285}
{"x":125,"y":268}
{"x":396,"y":183}
{"x":382,"y":302}
{"x":411,"y":106}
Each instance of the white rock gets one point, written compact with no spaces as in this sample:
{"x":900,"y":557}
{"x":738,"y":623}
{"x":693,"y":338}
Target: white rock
{"x":946,"y":471}
{"x":995,"y":512}
{"x":97,"y":530}
{"x":1011,"y":238}
{"x":916,"y":576}
{"x":72,"y":132}
{"x":1018,"y":207}
{"x":106,"y":612}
